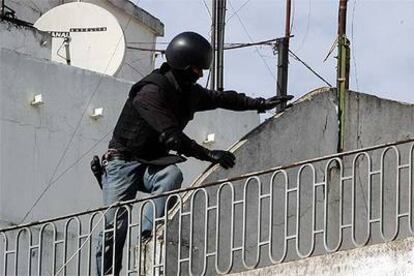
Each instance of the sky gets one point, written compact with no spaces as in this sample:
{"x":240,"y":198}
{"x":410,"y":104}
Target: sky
{"x":380,"y":32}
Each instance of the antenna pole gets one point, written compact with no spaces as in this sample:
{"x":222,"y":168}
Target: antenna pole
{"x":343,"y":66}
{"x":221,"y":22}
{"x":217,"y":41}
{"x":213,"y":44}
{"x":282,"y":47}
{"x":66,"y":42}
{"x":3,"y":7}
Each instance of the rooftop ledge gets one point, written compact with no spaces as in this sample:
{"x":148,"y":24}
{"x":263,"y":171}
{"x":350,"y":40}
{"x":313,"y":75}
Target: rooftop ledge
{"x":141,"y":15}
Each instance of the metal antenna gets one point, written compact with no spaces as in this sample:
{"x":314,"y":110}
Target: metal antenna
{"x":213,"y":44}
{"x":342,"y":82}
{"x":217,"y":41}
{"x":282,"y":47}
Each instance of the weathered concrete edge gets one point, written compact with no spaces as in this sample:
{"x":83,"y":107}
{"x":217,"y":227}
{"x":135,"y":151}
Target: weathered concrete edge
{"x":307,"y":97}
{"x":141,"y":15}
{"x":6,"y":51}
{"x":392,"y":258}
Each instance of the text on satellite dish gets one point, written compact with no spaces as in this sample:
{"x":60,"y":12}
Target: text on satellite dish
{"x":97,"y":29}
{"x":59,"y":34}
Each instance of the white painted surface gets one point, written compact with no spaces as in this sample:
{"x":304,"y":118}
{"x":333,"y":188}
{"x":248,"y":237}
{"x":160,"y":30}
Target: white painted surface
{"x":393,"y":258}
{"x":25,"y":40}
{"x":100,"y":51}
{"x":52,"y":144}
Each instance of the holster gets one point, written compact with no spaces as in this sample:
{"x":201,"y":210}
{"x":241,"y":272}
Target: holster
{"x":97,"y":169}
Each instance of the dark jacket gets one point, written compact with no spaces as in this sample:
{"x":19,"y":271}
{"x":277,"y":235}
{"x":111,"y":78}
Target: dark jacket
{"x":158,"y":106}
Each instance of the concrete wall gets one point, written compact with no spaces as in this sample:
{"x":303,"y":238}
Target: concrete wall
{"x":307,"y":130}
{"x":25,"y":40}
{"x":393,"y":258}
{"x":52,"y":144}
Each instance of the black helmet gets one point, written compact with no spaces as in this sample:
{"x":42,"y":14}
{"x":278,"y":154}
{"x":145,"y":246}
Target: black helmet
{"x":189,"y":49}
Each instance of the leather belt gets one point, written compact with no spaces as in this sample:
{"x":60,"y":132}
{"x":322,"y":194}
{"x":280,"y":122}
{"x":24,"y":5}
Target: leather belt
{"x":114,"y":154}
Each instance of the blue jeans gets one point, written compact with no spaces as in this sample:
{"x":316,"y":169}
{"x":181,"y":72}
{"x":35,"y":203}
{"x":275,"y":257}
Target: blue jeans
{"x":120,"y":182}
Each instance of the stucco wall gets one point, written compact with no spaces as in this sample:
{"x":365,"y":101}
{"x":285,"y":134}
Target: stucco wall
{"x":25,"y":40}
{"x":52,"y":144}
{"x":309,"y":129}
{"x":393,"y":258}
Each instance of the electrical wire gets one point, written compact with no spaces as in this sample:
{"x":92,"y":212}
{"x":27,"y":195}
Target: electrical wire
{"x":135,"y":69}
{"x":208,"y":10}
{"x":58,"y":51}
{"x":308,"y":67}
{"x":36,"y":7}
{"x":237,"y":11}
{"x":148,"y":43}
{"x":81,"y":157}
{"x":51,"y":182}
{"x":251,"y":40}
{"x":162,"y":51}
{"x":87,"y":238}
{"x":305,"y":36}
{"x":230,"y":46}
{"x":54,"y":180}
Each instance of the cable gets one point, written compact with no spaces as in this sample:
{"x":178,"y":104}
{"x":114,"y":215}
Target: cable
{"x":208,"y":78}
{"x":310,"y":68}
{"x":146,"y":49}
{"x":81,"y":157}
{"x":238,"y":10}
{"x":230,"y":46}
{"x":60,"y":48}
{"x":251,"y":40}
{"x":54,"y":180}
{"x":208,"y":10}
{"x":135,"y":69}
{"x":87,"y":239}
{"x":352,"y":46}
{"x":74,"y":132}
{"x":307,"y":26}
{"x":148,"y":43}
{"x":35,"y":7}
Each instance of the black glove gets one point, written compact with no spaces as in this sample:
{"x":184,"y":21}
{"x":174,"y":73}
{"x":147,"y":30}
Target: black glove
{"x":269,"y":103}
{"x":226,"y":159}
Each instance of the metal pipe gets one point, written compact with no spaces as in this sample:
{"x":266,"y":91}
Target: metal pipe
{"x":283,"y":59}
{"x":213,"y":44}
{"x":2,"y":8}
{"x":343,"y":65}
{"x":342,"y":17}
{"x":288,"y":15}
{"x":221,"y":11}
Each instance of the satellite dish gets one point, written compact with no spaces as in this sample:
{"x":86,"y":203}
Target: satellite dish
{"x":84,"y":35}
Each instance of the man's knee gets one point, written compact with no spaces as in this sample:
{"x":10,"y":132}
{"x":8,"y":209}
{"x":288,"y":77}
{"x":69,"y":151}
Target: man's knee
{"x":174,"y":175}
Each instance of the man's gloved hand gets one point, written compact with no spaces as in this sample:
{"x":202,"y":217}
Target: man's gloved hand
{"x":226,"y":159}
{"x":269,"y":103}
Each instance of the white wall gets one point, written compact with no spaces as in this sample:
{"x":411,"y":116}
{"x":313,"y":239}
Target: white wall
{"x":25,"y":40}
{"x":393,"y":258}
{"x":52,"y":144}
